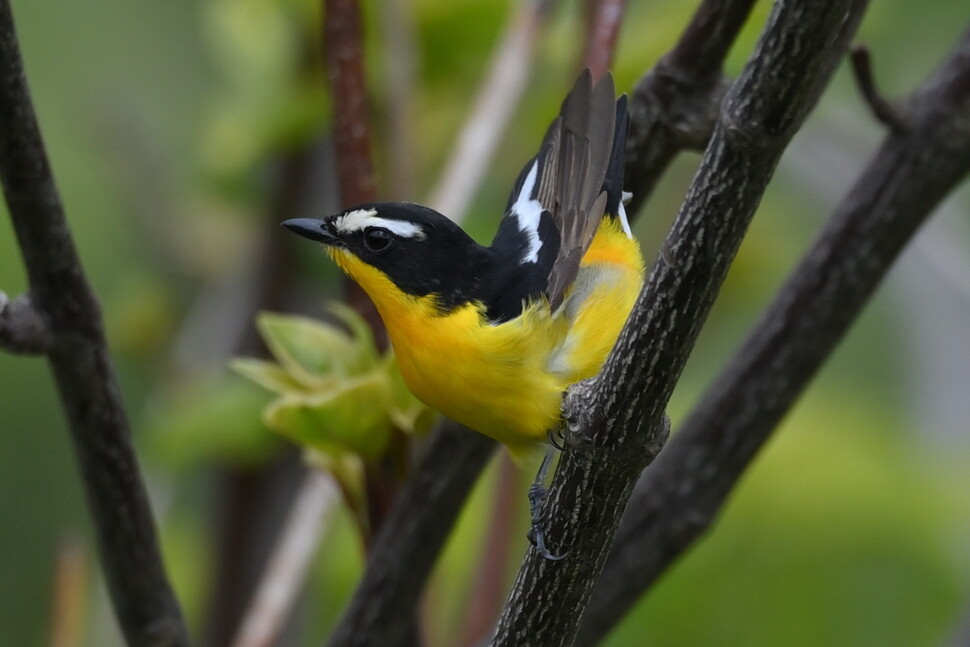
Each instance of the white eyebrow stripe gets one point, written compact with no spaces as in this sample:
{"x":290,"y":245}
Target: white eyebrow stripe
{"x":528,"y":212}
{"x":361,"y":219}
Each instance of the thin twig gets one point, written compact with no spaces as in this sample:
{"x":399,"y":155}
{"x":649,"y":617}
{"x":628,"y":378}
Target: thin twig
{"x":674,"y":106}
{"x":141,"y":595}
{"x":605,"y":18}
{"x":343,"y":47}
{"x":343,"y":53}
{"x":497,"y":98}
{"x":344,"y":57}
{"x":620,"y":414}
{"x":252,"y":503}
{"x":886,"y":112}
{"x":288,"y":567}
{"x":682,"y":493}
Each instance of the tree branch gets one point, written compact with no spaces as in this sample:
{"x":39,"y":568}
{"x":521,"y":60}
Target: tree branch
{"x":343,"y":53}
{"x":619,"y":415}
{"x":604,"y":18}
{"x":884,"y":111}
{"x":462,"y":456}
{"x":679,"y":497}
{"x":343,"y":49}
{"x":23,"y":329}
{"x":343,"y":46}
{"x":675,"y":106}
{"x":412,"y":538}
{"x":78,"y":355}
{"x":252,"y":504}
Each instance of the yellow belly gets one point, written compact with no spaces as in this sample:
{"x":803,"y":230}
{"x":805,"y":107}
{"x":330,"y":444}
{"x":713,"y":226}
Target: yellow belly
{"x":506,"y":380}
{"x":490,"y":378}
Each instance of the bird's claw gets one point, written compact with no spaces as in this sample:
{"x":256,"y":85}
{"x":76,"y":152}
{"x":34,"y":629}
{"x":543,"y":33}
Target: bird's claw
{"x":538,"y":539}
{"x":537,"y":496}
{"x":557,"y":438}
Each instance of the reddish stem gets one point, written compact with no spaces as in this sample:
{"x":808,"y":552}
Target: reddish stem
{"x":343,"y":50}
{"x":603,"y":29}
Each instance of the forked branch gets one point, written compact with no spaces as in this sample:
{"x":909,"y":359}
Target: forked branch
{"x":680,"y":495}
{"x":78,"y":356}
{"x":675,"y":105}
{"x":399,"y":562}
{"x":619,"y":415}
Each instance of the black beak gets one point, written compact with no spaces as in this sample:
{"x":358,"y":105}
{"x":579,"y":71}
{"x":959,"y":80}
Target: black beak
{"x":311,"y":228}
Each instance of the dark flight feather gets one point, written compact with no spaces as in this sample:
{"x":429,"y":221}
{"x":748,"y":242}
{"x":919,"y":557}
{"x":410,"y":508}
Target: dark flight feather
{"x":579,"y":177}
{"x":586,"y":135}
{"x":613,"y":185}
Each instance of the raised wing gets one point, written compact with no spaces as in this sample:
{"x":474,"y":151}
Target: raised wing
{"x":560,"y":198}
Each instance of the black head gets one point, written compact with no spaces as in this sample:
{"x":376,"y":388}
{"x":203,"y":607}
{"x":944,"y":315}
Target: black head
{"x":421,"y":251}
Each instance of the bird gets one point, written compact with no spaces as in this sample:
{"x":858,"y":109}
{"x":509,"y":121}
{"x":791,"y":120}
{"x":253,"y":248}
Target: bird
{"x":492,"y":336}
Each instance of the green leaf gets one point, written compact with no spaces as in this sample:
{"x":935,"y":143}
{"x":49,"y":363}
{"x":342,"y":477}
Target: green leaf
{"x":337,"y":393}
{"x":359,"y":329}
{"x":308,"y":349}
{"x":268,"y":375}
{"x":351,"y":417}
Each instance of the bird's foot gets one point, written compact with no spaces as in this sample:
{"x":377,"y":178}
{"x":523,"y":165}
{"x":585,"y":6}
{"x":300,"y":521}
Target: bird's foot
{"x":557,"y":438}
{"x":538,"y":539}
{"x":537,"y":498}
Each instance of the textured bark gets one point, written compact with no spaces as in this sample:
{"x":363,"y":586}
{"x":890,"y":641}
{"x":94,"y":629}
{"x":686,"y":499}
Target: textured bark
{"x":681,"y":495}
{"x":618,"y":417}
{"x":675,"y":106}
{"x":78,"y":356}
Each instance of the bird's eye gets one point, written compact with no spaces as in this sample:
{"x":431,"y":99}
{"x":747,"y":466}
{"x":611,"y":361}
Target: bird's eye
{"x":377,"y":239}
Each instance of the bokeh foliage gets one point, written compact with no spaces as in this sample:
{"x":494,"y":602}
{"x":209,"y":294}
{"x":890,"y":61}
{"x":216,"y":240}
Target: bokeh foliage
{"x":165,"y":122}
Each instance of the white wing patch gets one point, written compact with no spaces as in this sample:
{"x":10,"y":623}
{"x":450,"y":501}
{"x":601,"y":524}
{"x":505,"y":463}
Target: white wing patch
{"x":624,"y":221}
{"x":361,"y":219}
{"x":528,"y":212}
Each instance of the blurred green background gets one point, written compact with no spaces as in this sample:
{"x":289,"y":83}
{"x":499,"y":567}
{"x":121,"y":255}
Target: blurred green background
{"x":168,"y":125}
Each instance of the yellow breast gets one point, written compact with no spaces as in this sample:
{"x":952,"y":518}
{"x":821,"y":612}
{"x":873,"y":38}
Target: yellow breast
{"x":506,"y":380}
